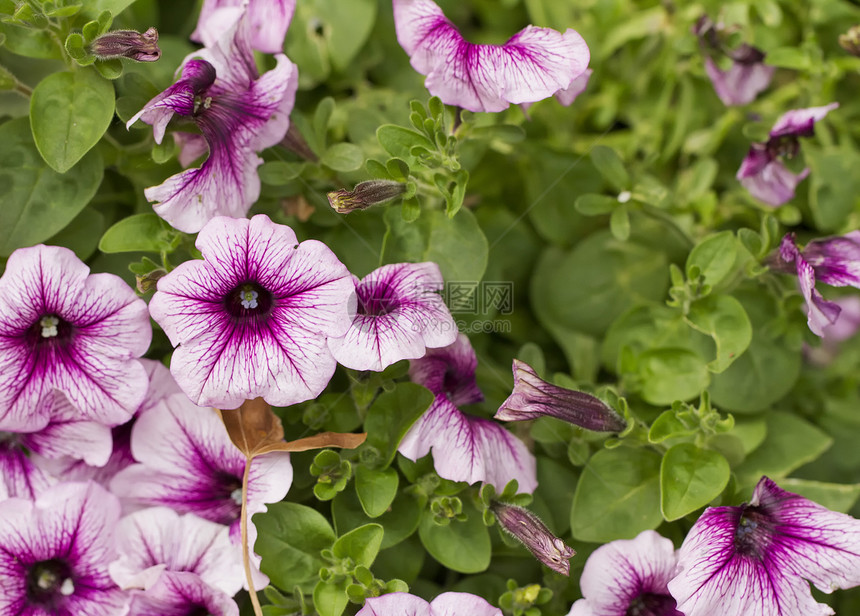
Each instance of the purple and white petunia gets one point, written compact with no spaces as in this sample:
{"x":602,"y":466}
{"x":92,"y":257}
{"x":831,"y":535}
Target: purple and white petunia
{"x":629,"y":576}
{"x":268,"y":22}
{"x":763,"y":173}
{"x":158,"y":539}
{"x":533,"y":397}
{"x":756,"y":559}
{"x":54,"y":553}
{"x":446,"y":604}
{"x":532,"y":65}
{"x":399,"y":315}
{"x":63,"y":329}
{"x":831,"y":260}
{"x":76,"y":461}
{"x":187,"y":462}
{"x":465,"y":447}
{"x":239,"y":113}
{"x":181,"y":594}
{"x":252,"y":318}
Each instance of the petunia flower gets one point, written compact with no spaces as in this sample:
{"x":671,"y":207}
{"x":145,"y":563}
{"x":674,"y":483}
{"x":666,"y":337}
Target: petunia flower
{"x":239,"y":114}
{"x":268,"y":21}
{"x":70,"y":460}
{"x":745,"y":78}
{"x":62,"y":329}
{"x":158,"y":539}
{"x":832,"y":260}
{"x":530,"y":530}
{"x":533,"y":397}
{"x":252,"y":318}
{"x":629,"y":576}
{"x":465,"y":447}
{"x":187,"y":462}
{"x":399,"y":315}
{"x":763,"y":173}
{"x":54,"y":553}
{"x":181,"y":594}
{"x":756,"y":559}
{"x":532,"y":65}
{"x":446,"y":604}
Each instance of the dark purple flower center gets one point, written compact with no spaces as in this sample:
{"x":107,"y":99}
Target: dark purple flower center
{"x":48,"y":581}
{"x":786,"y":146}
{"x":248,"y":301}
{"x":649,"y":604}
{"x":198,"y":610}
{"x":376,"y":300}
{"x":752,"y":533}
{"x":50,"y":331}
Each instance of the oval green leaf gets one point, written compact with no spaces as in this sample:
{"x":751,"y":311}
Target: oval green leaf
{"x":69,"y":113}
{"x":460,"y":546}
{"x":376,"y":489}
{"x":690,"y":478}
{"x":140,"y":233}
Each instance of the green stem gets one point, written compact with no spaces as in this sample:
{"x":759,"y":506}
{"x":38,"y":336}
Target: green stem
{"x":246,"y":553}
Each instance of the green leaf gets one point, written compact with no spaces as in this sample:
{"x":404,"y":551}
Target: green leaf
{"x":595,"y":205}
{"x":589,"y":287}
{"x":724,"y":319}
{"x":350,"y":26}
{"x":140,"y":233}
{"x":456,"y":244}
{"x":343,"y":157}
{"x":619,"y":223}
{"x":289,"y":539}
{"x":279,"y":173}
{"x":399,"y":141}
{"x":714,"y":256}
{"x":671,"y":374}
{"x":322,"y":116}
{"x":690,"y":478}
{"x":791,"y":442}
{"x":81,"y":235}
{"x":611,"y":167}
{"x":376,"y":489}
{"x":360,"y":544}
{"x":37,"y":201}
{"x":392,"y":414}
{"x":94,"y":8}
{"x":331,"y":599}
{"x":789,"y":57}
{"x":833,"y":187}
{"x":460,"y":546}
{"x":835,"y":496}
{"x":28,"y":42}
{"x":666,"y":426}
{"x":399,"y":522}
{"x":69,"y":113}
{"x":618,"y":495}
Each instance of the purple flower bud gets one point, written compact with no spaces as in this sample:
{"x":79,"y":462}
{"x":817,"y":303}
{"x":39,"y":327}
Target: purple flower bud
{"x":533,"y":397}
{"x":533,"y":533}
{"x":127,"y":44}
{"x":364,"y":195}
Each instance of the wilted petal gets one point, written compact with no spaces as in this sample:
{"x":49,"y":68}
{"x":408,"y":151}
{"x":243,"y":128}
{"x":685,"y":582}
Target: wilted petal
{"x":251,"y":320}
{"x":62,"y":329}
{"x":181,"y":594}
{"x":741,"y":83}
{"x":64,"y":537}
{"x":157,"y":539}
{"x":800,"y":122}
{"x":534,"y":64}
{"x":449,"y":371}
{"x":766,"y":178}
{"x":627,"y":575}
{"x":533,"y":397}
{"x":268,"y":22}
{"x":836,"y":260}
{"x":753,"y":559}
{"x":576,"y":87}
{"x":530,"y":530}
{"x":470,"y":449}
{"x":848,"y":321}
{"x":820,"y":312}
{"x":399,"y":315}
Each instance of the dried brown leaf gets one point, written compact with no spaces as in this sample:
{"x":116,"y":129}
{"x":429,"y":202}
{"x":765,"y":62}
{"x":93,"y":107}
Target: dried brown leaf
{"x":253,"y":427}
{"x":318,"y":441}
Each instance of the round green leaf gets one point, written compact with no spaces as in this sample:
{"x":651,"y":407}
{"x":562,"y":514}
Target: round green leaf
{"x":400,"y":521}
{"x":714,"y":256}
{"x":618,"y":495}
{"x":376,"y":489}
{"x":460,"y":546}
{"x":690,"y":478}
{"x":69,"y":113}
{"x":140,"y":233}
{"x":360,"y":544}
{"x":672,"y":374}
{"x":343,"y":157}
{"x":724,"y":319}
{"x":37,"y":201}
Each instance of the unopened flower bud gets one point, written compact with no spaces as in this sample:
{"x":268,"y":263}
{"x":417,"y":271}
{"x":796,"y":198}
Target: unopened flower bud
{"x":526,"y":527}
{"x":127,"y":44}
{"x":533,"y":397}
{"x":850,"y":41}
{"x":147,"y":282}
{"x":365,"y":194}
